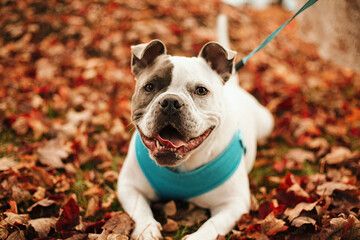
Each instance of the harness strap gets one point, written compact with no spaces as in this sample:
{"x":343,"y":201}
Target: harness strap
{"x":181,"y":186}
{"x":242,"y":62}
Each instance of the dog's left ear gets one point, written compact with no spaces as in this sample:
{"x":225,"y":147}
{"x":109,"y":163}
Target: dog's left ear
{"x":220,"y":59}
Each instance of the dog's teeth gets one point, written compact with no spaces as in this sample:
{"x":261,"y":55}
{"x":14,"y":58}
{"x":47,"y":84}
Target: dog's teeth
{"x":158,"y":144}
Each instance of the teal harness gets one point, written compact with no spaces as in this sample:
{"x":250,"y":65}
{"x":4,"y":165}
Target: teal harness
{"x":181,"y":186}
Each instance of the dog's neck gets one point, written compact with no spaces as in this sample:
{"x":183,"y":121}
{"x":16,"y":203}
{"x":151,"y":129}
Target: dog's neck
{"x":216,"y":143}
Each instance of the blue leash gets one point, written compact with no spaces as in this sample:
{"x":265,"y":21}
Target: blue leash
{"x":272,"y":35}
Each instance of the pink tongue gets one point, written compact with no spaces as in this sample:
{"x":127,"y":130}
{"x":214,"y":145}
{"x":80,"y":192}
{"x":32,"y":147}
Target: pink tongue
{"x":172,"y":142}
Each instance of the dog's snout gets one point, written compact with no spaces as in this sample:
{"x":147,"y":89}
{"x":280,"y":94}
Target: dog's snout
{"x":170,"y":105}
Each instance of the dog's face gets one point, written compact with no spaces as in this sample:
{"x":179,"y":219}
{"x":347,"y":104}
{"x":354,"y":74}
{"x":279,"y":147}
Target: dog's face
{"x":178,"y":100}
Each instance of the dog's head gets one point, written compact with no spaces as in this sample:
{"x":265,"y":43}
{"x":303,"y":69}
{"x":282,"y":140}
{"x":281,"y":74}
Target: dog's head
{"x":178,"y":100}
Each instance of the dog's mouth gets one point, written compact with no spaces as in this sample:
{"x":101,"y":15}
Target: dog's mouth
{"x":171,"y":141}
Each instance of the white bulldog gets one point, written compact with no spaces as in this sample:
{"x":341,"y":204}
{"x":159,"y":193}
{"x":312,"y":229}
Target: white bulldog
{"x":190,"y":115}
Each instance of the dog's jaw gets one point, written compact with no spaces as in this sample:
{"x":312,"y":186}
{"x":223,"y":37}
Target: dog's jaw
{"x":172,"y":152}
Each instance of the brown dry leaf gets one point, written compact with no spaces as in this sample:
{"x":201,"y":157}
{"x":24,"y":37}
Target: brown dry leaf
{"x":297,"y":190}
{"x":101,"y":151}
{"x":43,"y":203}
{"x":170,"y":226}
{"x":13,"y":206}
{"x":94,"y":205}
{"x":3,"y":231}
{"x":120,"y":223}
{"x":16,"y":235}
{"x":20,"y":126}
{"x":328,"y":188}
{"x":118,"y":130}
{"x":94,"y":190}
{"x":292,"y":213}
{"x":254,"y":204}
{"x":262,"y":237}
{"x":299,"y":221}
{"x":117,"y":236}
{"x":304,"y":126}
{"x":19,"y":194}
{"x":336,"y":227}
{"x":52,"y":152}
{"x":79,"y":236}
{"x":12,"y":218}
{"x":38,"y":128}
{"x":39,"y":194}
{"x":75,"y":118}
{"x":109,"y":200}
{"x":300,"y":155}
{"x":318,"y":143}
{"x":337,"y":130}
{"x":271,"y":225}
{"x":110,"y":176}
{"x":43,"y":225}
{"x":7,"y":163}
{"x":170,"y":208}
{"x":337,"y":155}
{"x":354,"y":231}
{"x":194,"y":216}
{"x":102,"y":119}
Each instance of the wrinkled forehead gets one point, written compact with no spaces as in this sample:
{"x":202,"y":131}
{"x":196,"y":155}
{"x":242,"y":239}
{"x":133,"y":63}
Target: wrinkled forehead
{"x":178,"y":71}
{"x":191,"y":71}
{"x":161,"y":70}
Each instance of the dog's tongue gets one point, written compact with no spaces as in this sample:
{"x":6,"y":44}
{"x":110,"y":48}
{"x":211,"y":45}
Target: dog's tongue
{"x":169,"y":137}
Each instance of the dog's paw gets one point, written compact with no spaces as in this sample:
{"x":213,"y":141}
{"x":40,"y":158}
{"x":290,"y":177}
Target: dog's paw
{"x":147,"y":231}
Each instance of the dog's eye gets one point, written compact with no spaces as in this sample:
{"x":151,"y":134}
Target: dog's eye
{"x":149,"y":87}
{"x":201,"y":91}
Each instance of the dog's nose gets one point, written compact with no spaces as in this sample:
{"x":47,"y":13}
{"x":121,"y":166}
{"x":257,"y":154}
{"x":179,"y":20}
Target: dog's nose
{"x":170,"y":105}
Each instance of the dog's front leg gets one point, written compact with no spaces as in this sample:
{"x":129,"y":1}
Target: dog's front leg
{"x":134,"y":193}
{"x":134,"y":203}
{"x":222,"y":221}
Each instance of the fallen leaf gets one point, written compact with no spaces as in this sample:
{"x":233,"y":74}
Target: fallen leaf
{"x":16,"y":235}
{"x":170,"y":226}
{"x":293,"y":213}
{"x":7,"y":163}
{"x":39,"y":194}
{"x":13,"y":207}
{"x":194,"y":216}
{"x":341,"y":227}
{"x":271,"y":225}
{"x":80,"y":236}
{"x":3,"y":231}
{"x":170,"y":208}
{"x":328,"y":188}
{"x":12,"y":218}
{"x":337,"y":155}
{"x":298,"y":191}
{"x":52,"y":152}
{"x":43,"y":225}
{"x":300,"y":155}
{"x":299,"y":221}
{"x":101,"y":151}
{"x":20,"y":126}
{"x":120,"y":223}
{"x":69,"y":216}
{"x":94,"y":205}
{"x":117,"y":236}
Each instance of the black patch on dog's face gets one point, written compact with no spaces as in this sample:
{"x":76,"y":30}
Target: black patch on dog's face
{"x":160,"y":75}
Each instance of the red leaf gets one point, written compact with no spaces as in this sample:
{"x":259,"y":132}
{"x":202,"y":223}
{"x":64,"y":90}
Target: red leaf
{"x":69,"y":217}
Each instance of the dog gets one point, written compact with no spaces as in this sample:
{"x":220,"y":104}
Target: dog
{"x":189,"y":113}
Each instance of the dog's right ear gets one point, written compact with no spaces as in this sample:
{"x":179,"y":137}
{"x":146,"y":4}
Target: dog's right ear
{"x":143,"y":55}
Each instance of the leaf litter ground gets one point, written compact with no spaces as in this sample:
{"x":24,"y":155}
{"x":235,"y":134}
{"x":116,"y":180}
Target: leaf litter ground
{"x":65,"y":125}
